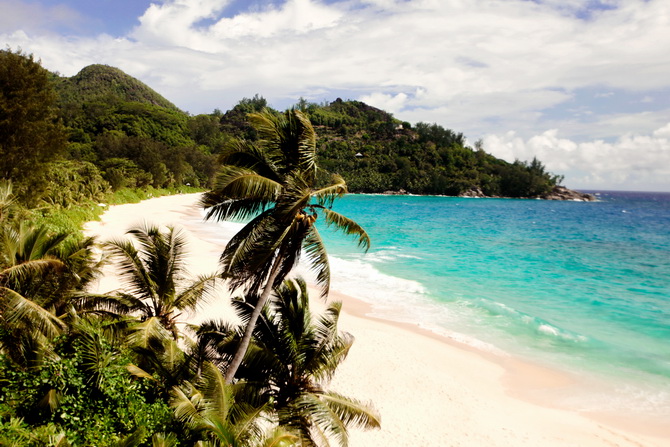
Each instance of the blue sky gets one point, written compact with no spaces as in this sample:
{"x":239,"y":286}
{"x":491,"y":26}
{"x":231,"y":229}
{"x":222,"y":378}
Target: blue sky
{"x":581,"y":84}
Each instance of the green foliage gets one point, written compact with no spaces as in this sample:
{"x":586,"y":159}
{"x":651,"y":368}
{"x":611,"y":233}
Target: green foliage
{"x":297,"y":355}
{"x":133,"y":135}
{"x":275,"y":182}
{"x":85,"y":393}
{"x":153,"y":276}
{"x":71,"y":183}
{"x":101,"y":83}
{"x":374,"y":152}
{"x":30,"y":133}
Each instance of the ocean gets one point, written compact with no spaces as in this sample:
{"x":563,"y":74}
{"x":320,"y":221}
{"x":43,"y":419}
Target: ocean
{"x":582,"y":287}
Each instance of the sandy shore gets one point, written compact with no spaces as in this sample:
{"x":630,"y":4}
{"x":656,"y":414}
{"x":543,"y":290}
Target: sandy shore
{"x":430,"y":391}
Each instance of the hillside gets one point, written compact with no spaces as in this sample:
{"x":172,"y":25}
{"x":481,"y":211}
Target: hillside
{"x":133,"y":135}
{"x":121,"y":133}
{"x":104,"y":83}
{"x":378,"y":153}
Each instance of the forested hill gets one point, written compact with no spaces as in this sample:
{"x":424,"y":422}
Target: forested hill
{"x":112,"y":131}
{"x":102,"y":83}
{"x":377,"y":153}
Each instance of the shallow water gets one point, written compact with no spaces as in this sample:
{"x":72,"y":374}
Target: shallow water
{"x":584,"y":287}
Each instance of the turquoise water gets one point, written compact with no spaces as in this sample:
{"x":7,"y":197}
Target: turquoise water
{"x":580,"y":286}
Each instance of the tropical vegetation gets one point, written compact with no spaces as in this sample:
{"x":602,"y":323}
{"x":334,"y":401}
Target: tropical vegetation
{"x":102,"y":131}
{"x":119,"y":369}
{"x":275,"y":181}
{"x":125,"y":368}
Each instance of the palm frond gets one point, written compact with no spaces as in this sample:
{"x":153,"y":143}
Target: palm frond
{"x":51,"y":400}
{"x":315,"y":250}
{"x":239,"y":193}
{"x":348,"y":226}
{"x":279,"y":438}
{"x":197,"y":292}
{"x":332,"y":347}
{"x":186,"y":402}
{"x":20,"y":311}
{"x":289,"y":138}
{"x":222,"y":208}
{"x":163,"y":255}
{"x":132,"y":269}
{"x":320,"y":415}
{"x":138,"y":372}
{"x":172,"y":357}
{"x":134,"y":439}
{"x":326,"y":196}
{"x":96,"y":356}
{"x":24,"y":270}
{"x":26,"y":243}
{"x":164,"y":440}
{"x":352,"y":412}
{"x":307,"y":146}
{"x":147,"y":334}
{"x":111,"y":306}
{"x":217,"y":392}
{"x":242,"y":258}
{"x":244,"y":420}
{"x":246,"y":154}
{"x":222,"y":432}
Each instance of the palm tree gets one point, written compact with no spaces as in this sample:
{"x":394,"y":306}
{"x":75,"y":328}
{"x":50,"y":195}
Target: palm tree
{"x":42,"y":279}
{"x":275,"y":182}
{"x":26,"y":261}
{"x":155,"y":277}
{"x":294,"y":356}
{"x":210,"y":407}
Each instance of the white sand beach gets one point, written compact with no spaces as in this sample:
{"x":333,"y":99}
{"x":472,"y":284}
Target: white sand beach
{"x":430,"y":391}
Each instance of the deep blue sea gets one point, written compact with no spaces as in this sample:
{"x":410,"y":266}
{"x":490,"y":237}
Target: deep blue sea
{"x":579,"y":286}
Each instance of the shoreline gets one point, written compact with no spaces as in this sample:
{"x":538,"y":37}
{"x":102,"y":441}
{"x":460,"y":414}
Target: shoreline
{"x":521,"y":379}
{"x":427,"y":387}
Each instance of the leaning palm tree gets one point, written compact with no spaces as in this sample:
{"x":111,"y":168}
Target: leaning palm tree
{"x":155,"y":277}
{"x":274,"y":182}
{"x":294,"y":357}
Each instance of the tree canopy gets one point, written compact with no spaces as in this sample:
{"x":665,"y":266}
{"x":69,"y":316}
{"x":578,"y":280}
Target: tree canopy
{"x":31,"y":134}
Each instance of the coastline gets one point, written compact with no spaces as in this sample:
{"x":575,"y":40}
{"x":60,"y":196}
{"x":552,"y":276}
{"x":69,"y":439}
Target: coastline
{"x":430,"y":390}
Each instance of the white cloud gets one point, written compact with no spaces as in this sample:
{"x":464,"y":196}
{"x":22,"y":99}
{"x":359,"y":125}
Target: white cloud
{"x":450,"y":49}
{"x":389,"y":103}
{"x":663,"y":132}
{"x":478,"y":67}
{"x":633,"y":161}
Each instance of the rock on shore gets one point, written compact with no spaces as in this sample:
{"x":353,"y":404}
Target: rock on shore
{"x":563,"y":193}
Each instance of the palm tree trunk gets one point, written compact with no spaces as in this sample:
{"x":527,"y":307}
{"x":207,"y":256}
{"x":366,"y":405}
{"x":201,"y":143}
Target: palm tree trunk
{"x":251,"y":325}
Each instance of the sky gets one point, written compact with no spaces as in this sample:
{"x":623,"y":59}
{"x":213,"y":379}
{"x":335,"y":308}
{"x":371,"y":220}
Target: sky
{"x":583,"y":85}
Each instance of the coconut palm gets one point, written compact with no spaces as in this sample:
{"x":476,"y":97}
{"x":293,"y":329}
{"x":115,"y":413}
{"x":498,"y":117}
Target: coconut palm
{"x":210,"y":408}
{"x":42,"y":281}
{"x":274,"y":182}
{"x":294,"y":356}
{"x":155,"y":278}
{"x":28,"y":266}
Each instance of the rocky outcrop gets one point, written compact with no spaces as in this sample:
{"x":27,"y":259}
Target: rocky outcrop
{"x":563,"y":193}
{"x":475,"y":191}
{"x":400,"y":192}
